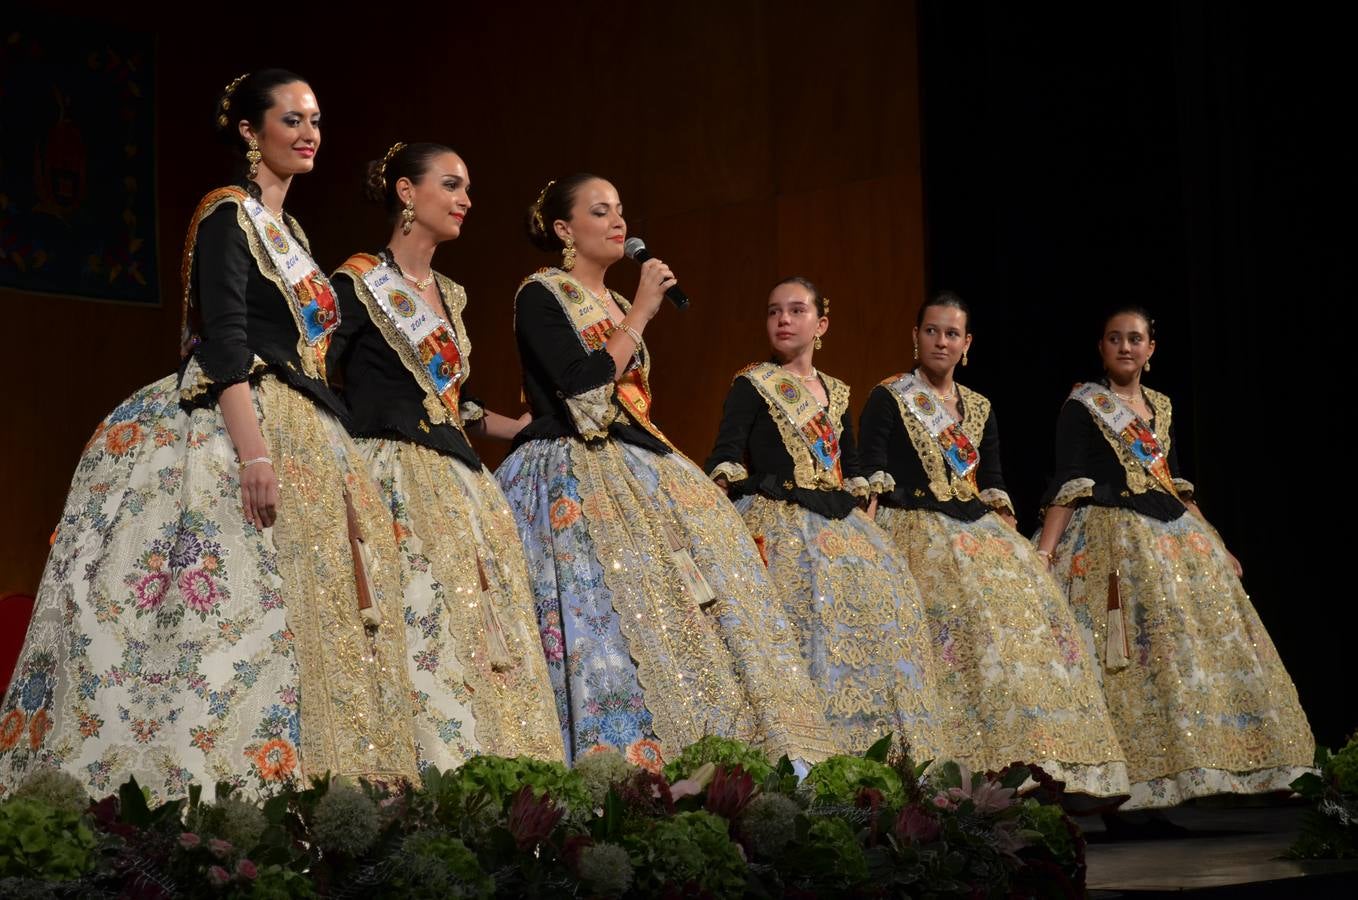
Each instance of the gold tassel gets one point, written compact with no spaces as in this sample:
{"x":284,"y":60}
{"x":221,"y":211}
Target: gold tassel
{"x":1116,"y":653}
{"x":363,"y":565}
{"x":688,"y":569}
{"x":497,"y":648}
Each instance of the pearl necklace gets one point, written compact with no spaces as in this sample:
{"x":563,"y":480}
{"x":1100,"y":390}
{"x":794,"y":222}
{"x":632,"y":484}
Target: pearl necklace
{"x":803,"y":378}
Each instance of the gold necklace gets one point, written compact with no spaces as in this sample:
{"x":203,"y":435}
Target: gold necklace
{"x":941,"y":399}
{"x":420,"y":285}
{"x":803,"y":378}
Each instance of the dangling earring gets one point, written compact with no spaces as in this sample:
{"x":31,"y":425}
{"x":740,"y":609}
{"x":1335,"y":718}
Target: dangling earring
{"x":1147,"y":367}
{"x":253,"y":156}
{"x":817,"y":343}
{"x":568,"y":254}
{"x":964,"y":357}
{"x":916,"y":352}
{"x":408,"y":216}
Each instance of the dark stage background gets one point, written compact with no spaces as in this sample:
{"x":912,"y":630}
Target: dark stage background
{"x":1182,"y":156}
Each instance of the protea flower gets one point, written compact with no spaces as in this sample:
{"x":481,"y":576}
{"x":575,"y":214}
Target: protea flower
{"x":729,"y":791}
{"x":531,"y":819}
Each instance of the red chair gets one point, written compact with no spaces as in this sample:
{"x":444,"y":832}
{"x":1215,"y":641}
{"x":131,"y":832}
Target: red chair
{"x":15,"y":611}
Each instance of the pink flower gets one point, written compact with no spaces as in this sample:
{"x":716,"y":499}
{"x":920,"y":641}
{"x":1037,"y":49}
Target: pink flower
{"x":942,"y":801}
{"x":188,"y":840}
{"x":246,"y":869}
{"x":218,"y":876}
{"x":199,"y":590}
{"x":915,"y":826}
{"x":151,"y":590}
{"x":553,"y":644}
{"x":988,"y":796}
{"x":219,"y":847}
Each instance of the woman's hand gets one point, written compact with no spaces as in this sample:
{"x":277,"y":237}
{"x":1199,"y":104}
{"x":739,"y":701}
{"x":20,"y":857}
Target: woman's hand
{"x":655,"y":278}
{"x":1008,"y":518}
{"x":259,"y":493}
{"x":1235,"y":564}
{"x":721,"y":482}
{"x":872,"y":507}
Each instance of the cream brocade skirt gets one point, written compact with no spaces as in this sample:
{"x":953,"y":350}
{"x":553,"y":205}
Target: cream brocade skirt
{"x":1205,"y":705}
{"x":174,"y":642}
{"x":479,"y":677}
{"x":1011,"y":665}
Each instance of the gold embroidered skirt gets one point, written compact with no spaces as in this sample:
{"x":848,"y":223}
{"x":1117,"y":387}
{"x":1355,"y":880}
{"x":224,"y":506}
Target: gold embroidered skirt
{"x":1203,"y":705}
{"x":1010,"y":661}
{"x":173,"y":641}
{"x":637,"y":660}
{"x":859,"y":622}
{"x":476,"y":665}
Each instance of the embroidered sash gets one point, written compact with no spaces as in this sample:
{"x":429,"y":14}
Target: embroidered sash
{"x":914,"y":396}
{"x":593,"y":326}
{"x":1135,"y":436}
{"x":812,"y":423}
{"x":310,"y":297}
{"x":427,"y":344}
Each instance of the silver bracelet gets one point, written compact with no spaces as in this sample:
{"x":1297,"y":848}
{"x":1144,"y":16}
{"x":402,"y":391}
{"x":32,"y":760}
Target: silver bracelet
{"x":245,"y":464}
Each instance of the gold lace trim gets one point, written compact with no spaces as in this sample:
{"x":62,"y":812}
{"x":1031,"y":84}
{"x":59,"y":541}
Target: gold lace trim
{"x":455,"y":298}
{"x":1075,"y":489}
{"x":355,"y":689}
{"x":942,"y":484}
{"x":731,"y":471}
{"x":806,"y":472}
{"x":1139,"y":481}
{"x":997,"y":499}
{"x":881,"y":482}
{"x":508,"y":721}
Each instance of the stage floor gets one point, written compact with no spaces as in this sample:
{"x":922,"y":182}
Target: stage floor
{"x":1231,"y":851}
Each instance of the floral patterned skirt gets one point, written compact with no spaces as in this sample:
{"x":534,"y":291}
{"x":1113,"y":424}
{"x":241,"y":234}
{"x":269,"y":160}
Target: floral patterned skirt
{"x":637,"y":659}
{"x":174,"y":642}
{"x":476,"y":665}
{"x":1011,"y":665}
{"x":1203,"y":705}
{"x":859,"y":620}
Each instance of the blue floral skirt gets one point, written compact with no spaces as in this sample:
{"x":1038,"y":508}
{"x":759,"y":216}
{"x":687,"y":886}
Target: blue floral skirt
{"x":859,"y":621}
{"x":640,"y":657}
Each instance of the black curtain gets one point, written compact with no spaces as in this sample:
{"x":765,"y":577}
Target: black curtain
{"x":1187,"y":157}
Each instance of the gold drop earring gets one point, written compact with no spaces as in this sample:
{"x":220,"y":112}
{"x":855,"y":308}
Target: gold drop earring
{"x":408,"y":216}
{"x":253,"y":157}
{"x":964,"y":357}
{"x":568,"y":253}
{"x":917,"y":352}
{"x":817,"y":344}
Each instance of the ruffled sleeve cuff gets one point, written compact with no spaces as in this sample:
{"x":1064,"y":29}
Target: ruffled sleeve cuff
{"x":858,"y":486}
{"x":999,"y":500}
{"x":197,"y":388}
{"x":471,"y":411}
{"x":593,"y":411}
{"x":733,"y":472}
{"x":880,"y":482}
{"x":1075,"y":489}
{"x":1185,"y":488}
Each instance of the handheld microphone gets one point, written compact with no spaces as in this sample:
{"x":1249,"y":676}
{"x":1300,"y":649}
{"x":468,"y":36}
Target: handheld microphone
{"x":635,"y":248}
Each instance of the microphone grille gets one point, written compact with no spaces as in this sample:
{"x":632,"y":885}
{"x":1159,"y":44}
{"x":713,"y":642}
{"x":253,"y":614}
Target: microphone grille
{"x":632,"y":247}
